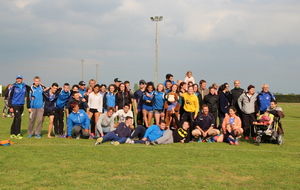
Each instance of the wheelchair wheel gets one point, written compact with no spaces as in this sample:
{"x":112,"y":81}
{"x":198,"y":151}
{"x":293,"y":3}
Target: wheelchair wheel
{"x":279,"y":139}
{"x":258,"y":140}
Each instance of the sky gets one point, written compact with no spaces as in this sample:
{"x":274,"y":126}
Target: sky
{"x":254,"y":41}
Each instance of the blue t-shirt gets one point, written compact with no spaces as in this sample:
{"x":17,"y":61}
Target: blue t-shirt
{"x":159,"y":100}
{"x":138,"y":96}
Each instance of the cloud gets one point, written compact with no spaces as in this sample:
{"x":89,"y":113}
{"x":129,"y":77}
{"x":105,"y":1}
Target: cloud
{"x":119,"y":35}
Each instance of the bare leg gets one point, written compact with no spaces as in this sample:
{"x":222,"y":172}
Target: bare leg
{"x":145,"y":112}
{"x":157,"y":118}
{"x":50,"y":126}
{"x":150,"y":115}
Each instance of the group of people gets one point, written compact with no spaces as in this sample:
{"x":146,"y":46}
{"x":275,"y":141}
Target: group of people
{"x":167,"y":113}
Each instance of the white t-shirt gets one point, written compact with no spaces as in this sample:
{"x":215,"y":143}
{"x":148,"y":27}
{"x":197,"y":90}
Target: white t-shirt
{"x":95,"y":101}
{"x":122,"y":115}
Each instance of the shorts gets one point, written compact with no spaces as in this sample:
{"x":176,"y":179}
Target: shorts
{"x":158,"y":111}
{"x":149,"y":110}
{"x":49,"y":113}
{"x":93,"y":110}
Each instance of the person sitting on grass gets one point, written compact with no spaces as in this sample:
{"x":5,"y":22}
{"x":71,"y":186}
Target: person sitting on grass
{"x":229,"y":135}
{"x":78,"y":123}
{"x":235,"y":121}
{"x":122,"y":114}
{"x":205,"y":126}
{"x":105,"y":123}
{"x":118,"y":136}
{"x":152,"y":133}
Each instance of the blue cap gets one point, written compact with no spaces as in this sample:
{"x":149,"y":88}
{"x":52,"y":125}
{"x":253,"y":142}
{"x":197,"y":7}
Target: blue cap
{"x":19,"y":76}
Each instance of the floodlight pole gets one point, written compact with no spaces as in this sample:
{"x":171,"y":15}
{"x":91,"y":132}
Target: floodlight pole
{"x":156,"y":19}
{"x":82,"y":61}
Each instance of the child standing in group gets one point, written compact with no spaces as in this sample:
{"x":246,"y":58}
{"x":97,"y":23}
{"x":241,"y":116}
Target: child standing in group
{"x":189,"y":77}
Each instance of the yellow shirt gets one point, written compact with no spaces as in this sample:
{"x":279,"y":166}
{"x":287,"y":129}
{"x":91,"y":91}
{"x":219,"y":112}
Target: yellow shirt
{"x":191,"y":103}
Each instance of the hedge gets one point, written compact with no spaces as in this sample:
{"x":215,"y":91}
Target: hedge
{"x":288,"y":98}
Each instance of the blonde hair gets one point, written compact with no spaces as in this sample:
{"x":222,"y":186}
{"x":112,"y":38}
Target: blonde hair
{"x":188,"y":73}
{"x":163,"y":90}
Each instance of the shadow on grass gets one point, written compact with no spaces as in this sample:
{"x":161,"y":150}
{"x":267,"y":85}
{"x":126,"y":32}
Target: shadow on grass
{"x":298,"y":117}
{"x":43,"y":132}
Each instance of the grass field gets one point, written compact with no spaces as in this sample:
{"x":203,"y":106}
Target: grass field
{"x":78,"y":164}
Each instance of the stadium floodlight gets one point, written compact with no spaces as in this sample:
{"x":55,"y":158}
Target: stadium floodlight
{"x":156,"y":19}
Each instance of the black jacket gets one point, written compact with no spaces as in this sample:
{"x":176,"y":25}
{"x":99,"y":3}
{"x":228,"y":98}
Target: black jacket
{"x":212,"y":101}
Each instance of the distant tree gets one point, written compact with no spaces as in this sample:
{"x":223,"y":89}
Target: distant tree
{"x":277,"y":93}
{"x":136,"y":87}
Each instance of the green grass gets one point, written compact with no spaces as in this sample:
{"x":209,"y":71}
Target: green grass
{"x":78,"y":164}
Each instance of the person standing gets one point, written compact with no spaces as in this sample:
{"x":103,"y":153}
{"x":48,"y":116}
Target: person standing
{"x":122,"y":114}
{"x":117,"y":82}
{"x":212,"y":101}
{"x":235,"y":94}
{"x":137,"y":103}
{"x":109,"y":98}
{"x":50,"y":97}
{"x":6,"y":112}
{"x":122,"y":97}
{"x":61,"y":102}
{"x":203,"y":91}
{"x":92,"y":82}
{"x":148,"y":99}
{"x":16,"y":102}
{"x":224,"y":102}
{"x":82,"y":88}
{"x":158,"y":105}
{"x":191,"y":108}
{"x":169,"y":77}
{"x":248,"y":105}
{"x":95,"y":103}
{"x":76,"y":97}
{"x":36,"y":108}
{"x":264,"y":98}
{"x":105,"y":123}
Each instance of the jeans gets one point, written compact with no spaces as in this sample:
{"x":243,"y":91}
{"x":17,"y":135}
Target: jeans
{"x":59,"y":121}
{"x":111,"y":136}
{"x":139,"y":132}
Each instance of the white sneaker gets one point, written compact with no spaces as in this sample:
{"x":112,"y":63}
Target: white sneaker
{"x":129,"y":141}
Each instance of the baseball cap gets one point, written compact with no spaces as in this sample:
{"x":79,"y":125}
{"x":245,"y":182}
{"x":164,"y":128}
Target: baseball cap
{"x":117,"y":80}
{"x":19,"y":76}
{"x":142,"y":81}
{"x":81,"y":83}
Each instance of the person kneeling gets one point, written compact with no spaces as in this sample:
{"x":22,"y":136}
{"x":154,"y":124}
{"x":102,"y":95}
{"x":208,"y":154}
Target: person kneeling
{"x":78,"y":123}
{"x":118,"y":136}
{"x":205,"y":126}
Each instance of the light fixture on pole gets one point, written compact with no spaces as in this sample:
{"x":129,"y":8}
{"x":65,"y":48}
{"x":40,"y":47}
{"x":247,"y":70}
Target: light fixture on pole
{"x":82,"y":61}
{"x":156,"y":19}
